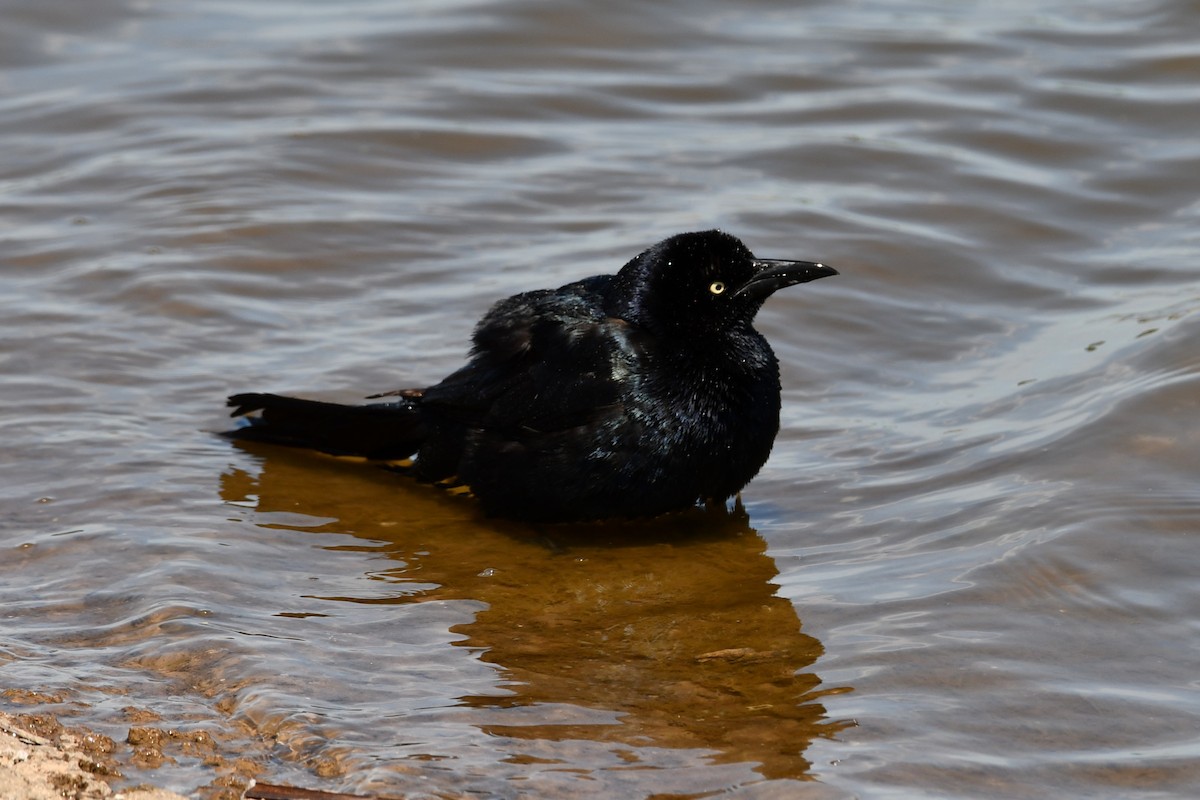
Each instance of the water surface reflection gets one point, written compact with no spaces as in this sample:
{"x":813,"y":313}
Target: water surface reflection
{"x":663,"y":634}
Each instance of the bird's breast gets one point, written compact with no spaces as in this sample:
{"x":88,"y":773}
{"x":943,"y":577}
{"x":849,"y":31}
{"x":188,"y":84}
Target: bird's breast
{"x":714,"y":402}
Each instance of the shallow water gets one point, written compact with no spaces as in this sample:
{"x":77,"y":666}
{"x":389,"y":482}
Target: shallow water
{"x":968,"y":569}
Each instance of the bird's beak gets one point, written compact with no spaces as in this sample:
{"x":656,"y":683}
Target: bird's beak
{"x":775,"y":273}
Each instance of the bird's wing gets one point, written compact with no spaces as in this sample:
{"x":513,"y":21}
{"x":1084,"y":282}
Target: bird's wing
{"x":542,"y":362}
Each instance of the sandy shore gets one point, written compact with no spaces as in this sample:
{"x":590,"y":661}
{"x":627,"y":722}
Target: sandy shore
{"x":66,"y":764}
{"x":42,"y":760}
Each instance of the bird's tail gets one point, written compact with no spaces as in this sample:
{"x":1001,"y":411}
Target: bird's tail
{"x":379,"y":430}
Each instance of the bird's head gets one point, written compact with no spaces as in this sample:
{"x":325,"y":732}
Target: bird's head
{"x":703,"y":282}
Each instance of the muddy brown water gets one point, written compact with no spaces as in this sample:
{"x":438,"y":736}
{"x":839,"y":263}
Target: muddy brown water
{"x":968,"y":570}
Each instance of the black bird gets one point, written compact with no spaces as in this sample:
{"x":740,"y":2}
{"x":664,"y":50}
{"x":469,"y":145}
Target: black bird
{"x":624,"y":395}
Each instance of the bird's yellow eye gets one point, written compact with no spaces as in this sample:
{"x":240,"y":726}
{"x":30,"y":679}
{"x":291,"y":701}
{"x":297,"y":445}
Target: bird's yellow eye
{"x":716,"y":287}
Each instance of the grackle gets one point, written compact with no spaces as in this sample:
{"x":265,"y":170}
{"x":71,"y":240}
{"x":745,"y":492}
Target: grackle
{"x":622,"y":395}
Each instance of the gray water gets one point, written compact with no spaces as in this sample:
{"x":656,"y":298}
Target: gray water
{"x":968,"y":570}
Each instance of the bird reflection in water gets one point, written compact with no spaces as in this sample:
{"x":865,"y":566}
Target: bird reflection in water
{"x":664,"y":633}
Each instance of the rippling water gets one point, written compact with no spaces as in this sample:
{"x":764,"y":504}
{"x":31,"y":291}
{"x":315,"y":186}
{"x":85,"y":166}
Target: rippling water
{"x":968,"y":569}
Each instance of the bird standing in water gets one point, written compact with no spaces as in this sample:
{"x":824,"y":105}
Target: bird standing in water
{"x":625,"y":395}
